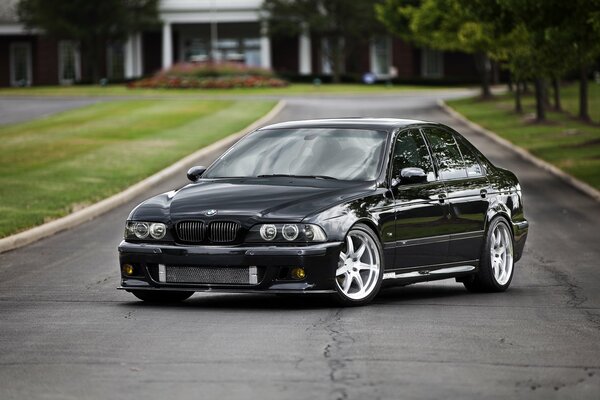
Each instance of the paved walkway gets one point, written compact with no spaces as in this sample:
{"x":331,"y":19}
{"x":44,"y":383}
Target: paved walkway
{"x":17,"y":109}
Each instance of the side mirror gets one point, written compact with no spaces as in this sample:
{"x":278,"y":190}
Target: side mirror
{"x":412,"y":175}
{"x":195,"y":173}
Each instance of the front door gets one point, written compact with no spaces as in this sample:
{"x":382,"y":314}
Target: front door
{"x":421,"y":209}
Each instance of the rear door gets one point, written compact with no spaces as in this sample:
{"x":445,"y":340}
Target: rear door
{"x":421,"y":210}
{"x":467,"y":186}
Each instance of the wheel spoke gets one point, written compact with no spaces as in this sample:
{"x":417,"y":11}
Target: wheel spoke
{"x":359,"y":281}
{"x":347,"y":282}
{"x":343,"y":256}
{"x":341,"y":270}
{"x":362,"y":266}
{"x":360,"y":251}
{"x":496,"y":268}
{"x":349,"y":245}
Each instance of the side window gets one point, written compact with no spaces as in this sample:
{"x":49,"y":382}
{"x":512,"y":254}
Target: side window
{"x":474,"y":169}
{"x":411,"y":151}
{"x":445,"y":150}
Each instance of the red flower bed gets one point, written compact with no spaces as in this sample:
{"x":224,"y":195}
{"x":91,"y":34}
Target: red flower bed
{"x":210,"y":76}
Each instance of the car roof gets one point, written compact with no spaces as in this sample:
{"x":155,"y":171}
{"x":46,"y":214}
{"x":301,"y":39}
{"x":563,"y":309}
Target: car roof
{"x":359,"y":122}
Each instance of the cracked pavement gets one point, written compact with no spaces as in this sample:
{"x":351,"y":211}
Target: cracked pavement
{"x":65,"y":332}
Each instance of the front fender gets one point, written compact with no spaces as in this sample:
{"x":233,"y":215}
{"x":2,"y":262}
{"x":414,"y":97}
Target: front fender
{"x":374,"y":210}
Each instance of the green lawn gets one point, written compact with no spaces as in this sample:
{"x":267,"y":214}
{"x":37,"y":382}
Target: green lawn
{"x":52,"y":166}
{"x":569,"y":144}
{"x":570,"y":100}
{"x":293,"y":89}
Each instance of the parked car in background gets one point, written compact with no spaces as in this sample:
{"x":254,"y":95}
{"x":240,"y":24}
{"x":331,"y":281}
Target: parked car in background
{"x":337,"y":206}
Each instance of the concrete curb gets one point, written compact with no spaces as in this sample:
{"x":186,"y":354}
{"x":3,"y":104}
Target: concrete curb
{"x":85,"y":214}
{"x":571,"y":180}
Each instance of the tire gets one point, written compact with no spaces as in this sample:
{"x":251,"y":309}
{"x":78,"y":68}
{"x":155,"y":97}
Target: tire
{"x":161,"y":297}
{"x":496,"y":265}
{"x":358,"y":277}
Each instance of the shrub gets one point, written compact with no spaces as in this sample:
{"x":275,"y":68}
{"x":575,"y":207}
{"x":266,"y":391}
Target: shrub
{"x":210,"y":76}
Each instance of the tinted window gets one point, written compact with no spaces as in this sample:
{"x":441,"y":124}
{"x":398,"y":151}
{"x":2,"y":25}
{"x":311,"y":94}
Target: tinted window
{"x":346,"y":154}
{"x":471,"y":160}
{"x":411,"y":151}
{"x":444,"y":147}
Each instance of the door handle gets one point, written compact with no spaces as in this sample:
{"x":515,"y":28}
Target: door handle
{"x":442,"y":197}
{"x":483,"y":193}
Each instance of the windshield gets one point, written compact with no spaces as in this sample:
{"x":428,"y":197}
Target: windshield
{"x":326,"y":153}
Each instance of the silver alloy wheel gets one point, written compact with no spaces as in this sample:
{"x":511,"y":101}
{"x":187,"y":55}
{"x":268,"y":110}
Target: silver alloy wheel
{"x":358,"y":266}
{"x":501,"y":254}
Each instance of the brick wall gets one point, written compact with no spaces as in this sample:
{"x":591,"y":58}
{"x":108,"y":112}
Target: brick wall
{"x":45,"y":61}
{"x":284,"y":54}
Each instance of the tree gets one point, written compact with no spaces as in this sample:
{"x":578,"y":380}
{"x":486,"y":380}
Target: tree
{"x":340,"y":23}
{"x":548,"y":39}
{"x":92,"y":23}
{"x":443,"y":25}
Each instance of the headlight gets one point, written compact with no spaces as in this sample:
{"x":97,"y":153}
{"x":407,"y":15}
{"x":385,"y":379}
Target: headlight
{"x":286,"y":233}
{"x":143,"y":230}
{"x":290,"y":232}
{"x":268,"y":232}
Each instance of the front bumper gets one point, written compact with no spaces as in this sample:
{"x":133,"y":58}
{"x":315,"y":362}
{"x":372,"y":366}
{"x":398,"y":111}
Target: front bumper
{"x":319,"y":262}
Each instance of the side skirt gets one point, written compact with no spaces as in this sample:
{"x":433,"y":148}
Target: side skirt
{"x":430,"y":273}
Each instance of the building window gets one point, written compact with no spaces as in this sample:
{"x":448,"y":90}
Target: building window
{"x":20,"y":64}
{"x":115,"y":61}
{"x":252,"y":52}
{"x":381,"y":56}
{"x":69,"y":65}
{"x":432,"y":63}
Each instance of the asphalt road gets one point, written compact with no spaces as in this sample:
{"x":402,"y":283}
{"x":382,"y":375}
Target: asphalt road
{"x":65,"y":332}
{"x":14,"y":109}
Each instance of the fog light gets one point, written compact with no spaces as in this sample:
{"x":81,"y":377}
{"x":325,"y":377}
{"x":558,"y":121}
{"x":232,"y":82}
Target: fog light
{"x":128,"y":269}
{"x":298,"y":273}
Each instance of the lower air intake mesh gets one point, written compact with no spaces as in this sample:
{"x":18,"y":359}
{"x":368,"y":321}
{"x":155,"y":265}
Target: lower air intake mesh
{"x":217,"y":275}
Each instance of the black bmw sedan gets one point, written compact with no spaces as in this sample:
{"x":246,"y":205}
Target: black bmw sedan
{"x":338,"y":206}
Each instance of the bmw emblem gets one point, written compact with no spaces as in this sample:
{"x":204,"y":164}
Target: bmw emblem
{"x":211,"y":212}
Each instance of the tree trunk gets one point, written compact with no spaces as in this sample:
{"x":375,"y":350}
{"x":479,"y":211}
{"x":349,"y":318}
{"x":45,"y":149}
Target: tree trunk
{"x":556,"y":89}
{"x":518,"y":105}
{"x":546,"y":92}
{"x":483,"y":65}
{"x":584,"y":113}
{"x":337,"y":59}
{"x":540,"y":111}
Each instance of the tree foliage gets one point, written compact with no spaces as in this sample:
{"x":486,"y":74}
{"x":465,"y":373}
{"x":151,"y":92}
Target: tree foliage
{"x":92,"y":23}
{"x":340,"y":23}
{"x":443,"y":25}
{"x":536,"y":40}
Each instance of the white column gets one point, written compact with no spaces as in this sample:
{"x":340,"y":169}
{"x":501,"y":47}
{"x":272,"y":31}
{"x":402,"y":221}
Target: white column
{"x":133,"y":56}
{"x":167,"y":46}
{"x":139,"y":68}
{"x":265,"y":47}
{"x":304,"y":53}
{"x":129,"y":58}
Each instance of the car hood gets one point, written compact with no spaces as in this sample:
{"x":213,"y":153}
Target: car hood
{"x":289,"y":199}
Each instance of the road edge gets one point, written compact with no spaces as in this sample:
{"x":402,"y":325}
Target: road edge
{"x":524,"y":154}
{"x":90,"y":212}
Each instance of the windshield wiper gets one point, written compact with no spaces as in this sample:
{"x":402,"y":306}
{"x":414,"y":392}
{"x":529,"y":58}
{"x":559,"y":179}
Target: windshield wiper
{"x":297,"y":176}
